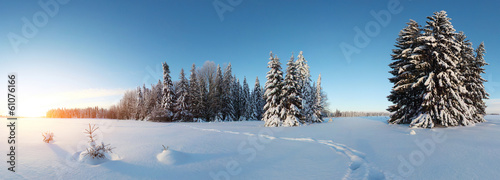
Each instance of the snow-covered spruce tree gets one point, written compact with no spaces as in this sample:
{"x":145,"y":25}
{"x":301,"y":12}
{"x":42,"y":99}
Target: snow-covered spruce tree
{"x":182,"y":108}
{"x":204,"y":103}
{"x":317,"y":116}
{"x":471,"y":66}
{"x":226,"y":99}
{"x":480,"y":90}
{"x":308,"y":95}
{"x":195,"y":99}
{"x":273,"y":93}
{"x":251,"y":105}
{"x":215,"y":95}
{"x":465,"y":66}
{"x":476,"y":86}
{"x":246,"y":101}
{"x":305,"y":89}
{"x":440,"y":75}
{"x":168,"y":94}
{"x":258,"y":100}
{"x":241,"y":100}
{"x":291,"y":96}
{"x":156,"y":107}
{"x":237,"y":108}
{"x":405,"y":57}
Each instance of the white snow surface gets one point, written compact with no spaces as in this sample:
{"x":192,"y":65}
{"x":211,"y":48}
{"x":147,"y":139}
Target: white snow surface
{"x":347,"y":148}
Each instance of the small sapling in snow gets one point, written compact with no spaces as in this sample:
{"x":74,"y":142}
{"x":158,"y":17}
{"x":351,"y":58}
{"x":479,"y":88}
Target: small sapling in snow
{"x":95,"y":150}
{"x":48,"y":136}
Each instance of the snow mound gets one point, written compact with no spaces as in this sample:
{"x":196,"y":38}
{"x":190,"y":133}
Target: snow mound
{"x":171,"y":157}
{"x":412,"y":132}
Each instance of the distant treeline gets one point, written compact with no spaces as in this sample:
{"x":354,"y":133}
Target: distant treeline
{"x":339,"y":113}
{"x":90,"y":112}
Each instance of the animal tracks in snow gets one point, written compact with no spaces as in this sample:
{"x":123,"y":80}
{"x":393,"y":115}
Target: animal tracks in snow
{"x":359,"y":167}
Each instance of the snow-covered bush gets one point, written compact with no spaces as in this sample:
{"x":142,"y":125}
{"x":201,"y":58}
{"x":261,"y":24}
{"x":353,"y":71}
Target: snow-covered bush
{"x":48,"y":136}
{"x":96,"y":151}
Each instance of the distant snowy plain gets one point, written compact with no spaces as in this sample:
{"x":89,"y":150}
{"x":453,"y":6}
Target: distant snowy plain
{"x":347,"y":148}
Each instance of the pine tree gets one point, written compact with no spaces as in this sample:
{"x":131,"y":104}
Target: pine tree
{"x":308,"y":95}
{"x":204,"y":102}
{"x":437,"y":79}
{"x":472,"y":66}
{"x":406,"y":56}
{"x":305,"y":89}
{"x":251,"y":105}
{"x":258,"y":100}
{"x":155,"y":100}
{"x":182,"y":109}
{"x":168,"y":94}
{"x":317,"y":116}
{"x":274,"y":86}
{"x":291,"y":95}
{"x":195,"y":99}
{"x":246,"y":100}
{"x":226,"y":99}
{"x":477,"y":87}
{"x":215,"y":95}
{"x":466,"y":67}
{"x":441,"y":77}
{"x":236,"y":110}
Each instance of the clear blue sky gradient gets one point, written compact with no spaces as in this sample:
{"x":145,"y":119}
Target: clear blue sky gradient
{"x":120,"y":44}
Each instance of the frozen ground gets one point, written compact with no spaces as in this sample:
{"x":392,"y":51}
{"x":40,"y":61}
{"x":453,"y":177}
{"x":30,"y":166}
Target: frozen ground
{"x":347,"y":148}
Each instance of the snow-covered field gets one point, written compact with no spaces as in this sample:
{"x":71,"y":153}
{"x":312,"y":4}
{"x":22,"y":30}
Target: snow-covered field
{"x":349,"y":148}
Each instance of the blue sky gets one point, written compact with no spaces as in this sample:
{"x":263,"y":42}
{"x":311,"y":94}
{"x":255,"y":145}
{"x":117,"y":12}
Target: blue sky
{"x":89,"y":52}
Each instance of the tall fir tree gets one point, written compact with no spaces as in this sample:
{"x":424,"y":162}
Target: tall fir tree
{"x":258,"y":100}
{"x":305,"y":89}
{"x":437,"y":79}
{"x":439,"y":74}
{"x":478,"y":92}
{"x":226,"y":99}
{"x":156,"y":102}
{"x":318,"y":108}
{"x":182,"y":106}
{"x":291,"y":95}
{"x":236,"y":110}
{"x":273,"y":92}
{"x":406,"y":56}
{"x":204,"y":102}
{"x":246,"y":101}
{"x":168,"y":94}
{"x":466,"y":66}
{"x":214,"y":96}
{"x":195,"y":99}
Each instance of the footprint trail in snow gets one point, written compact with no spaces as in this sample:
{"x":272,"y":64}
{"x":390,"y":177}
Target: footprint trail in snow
{"x":359,"y":167}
